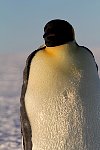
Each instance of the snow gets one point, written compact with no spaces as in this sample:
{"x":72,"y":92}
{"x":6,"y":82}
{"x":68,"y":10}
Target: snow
{"x":10,"y":136}
{"x":11,"y":69}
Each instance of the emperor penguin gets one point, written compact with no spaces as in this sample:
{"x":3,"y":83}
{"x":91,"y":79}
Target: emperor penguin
{"x":60,"y":98}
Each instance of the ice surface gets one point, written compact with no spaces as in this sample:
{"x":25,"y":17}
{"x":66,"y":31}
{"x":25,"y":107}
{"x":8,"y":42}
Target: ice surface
{"x":10,"y":136}
{"x":11,"y":68}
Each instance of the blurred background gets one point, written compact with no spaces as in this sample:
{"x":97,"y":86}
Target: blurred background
{"x":21,"y":31}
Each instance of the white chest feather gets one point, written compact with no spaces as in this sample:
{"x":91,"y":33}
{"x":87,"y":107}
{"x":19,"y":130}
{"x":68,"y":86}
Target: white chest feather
{"x":62,"y":101}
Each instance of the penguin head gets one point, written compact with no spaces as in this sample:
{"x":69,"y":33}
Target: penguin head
{"x":58,"y":32}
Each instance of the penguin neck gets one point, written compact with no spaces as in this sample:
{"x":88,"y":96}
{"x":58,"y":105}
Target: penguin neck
{"x":61,"y":48}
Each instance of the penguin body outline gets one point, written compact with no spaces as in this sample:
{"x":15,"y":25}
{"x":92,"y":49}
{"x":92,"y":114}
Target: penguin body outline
{"x":27,"y":128}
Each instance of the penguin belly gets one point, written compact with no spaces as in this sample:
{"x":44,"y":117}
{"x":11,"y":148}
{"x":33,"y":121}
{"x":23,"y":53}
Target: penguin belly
{"x":61,"y":107}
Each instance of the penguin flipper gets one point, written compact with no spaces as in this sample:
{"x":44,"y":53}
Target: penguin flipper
{"x":25,"y":124}
{"x":91,"y":54}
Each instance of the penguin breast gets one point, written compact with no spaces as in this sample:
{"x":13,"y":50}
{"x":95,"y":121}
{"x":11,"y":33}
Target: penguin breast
{"x":59,"y":108}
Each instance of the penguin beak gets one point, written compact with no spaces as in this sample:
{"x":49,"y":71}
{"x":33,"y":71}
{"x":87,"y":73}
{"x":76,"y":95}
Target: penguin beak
{"x":49,"y":35}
